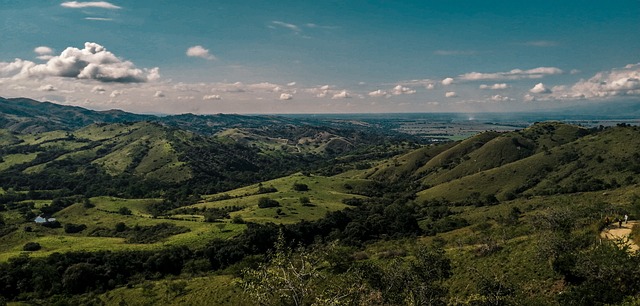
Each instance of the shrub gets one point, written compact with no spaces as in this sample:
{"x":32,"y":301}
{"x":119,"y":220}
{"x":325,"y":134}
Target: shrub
{"x":71,"y":228}
{"x":300,"y":187}
{"x":31,"y":246}
{"x":124,"y":211}
{"x":266,"y":202}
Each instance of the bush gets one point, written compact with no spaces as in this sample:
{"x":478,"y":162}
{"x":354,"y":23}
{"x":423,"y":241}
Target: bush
{"x":300,"y":187}
{"x":71,"y":228}
{"x":263,"y":190}
{"x":31,"y":246}
{"x":266,"y":202}
{"x":124,"y":211}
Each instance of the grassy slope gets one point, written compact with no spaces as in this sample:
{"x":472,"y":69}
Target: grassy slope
{"x":326,"y":194}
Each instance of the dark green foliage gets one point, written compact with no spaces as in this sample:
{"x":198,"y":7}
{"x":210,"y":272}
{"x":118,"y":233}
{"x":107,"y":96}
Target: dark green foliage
{"x":31,"y":246}
{"x":86,"y":203}
{"x":71,"y":228}
{"x":263,"y":190}
{"x":300,"y":187}
{"x":125,"y":211}
{"x":266,"y":202}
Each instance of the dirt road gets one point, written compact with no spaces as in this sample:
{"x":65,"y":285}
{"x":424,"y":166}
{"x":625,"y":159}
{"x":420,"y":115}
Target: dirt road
{"x":615,"y":232}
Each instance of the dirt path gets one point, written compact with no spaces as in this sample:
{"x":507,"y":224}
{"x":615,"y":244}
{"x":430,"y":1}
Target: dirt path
{"x":615,"y":232}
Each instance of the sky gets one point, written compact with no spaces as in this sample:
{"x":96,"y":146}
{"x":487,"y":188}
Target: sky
{"x":250,"y":56}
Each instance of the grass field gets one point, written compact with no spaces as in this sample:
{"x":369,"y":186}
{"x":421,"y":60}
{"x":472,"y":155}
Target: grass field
{"x":16,"y":159}
{"x":325,"y":193}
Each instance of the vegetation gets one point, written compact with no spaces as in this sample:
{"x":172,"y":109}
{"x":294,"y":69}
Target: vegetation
{"x":284,"y":212}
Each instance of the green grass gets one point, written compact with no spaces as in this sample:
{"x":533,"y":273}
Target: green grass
{"x":16,"y":159}
{"x":326,"y":194}
{"x":208,"y":290}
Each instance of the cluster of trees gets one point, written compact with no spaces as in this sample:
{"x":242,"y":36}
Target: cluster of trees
{"x":140,"y":234}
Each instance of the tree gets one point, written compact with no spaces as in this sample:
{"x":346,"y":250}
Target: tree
{"x":300,"y":187}
{"x":266,"y":202}
{"x":31,"y":246}
{"x":124,"y":211}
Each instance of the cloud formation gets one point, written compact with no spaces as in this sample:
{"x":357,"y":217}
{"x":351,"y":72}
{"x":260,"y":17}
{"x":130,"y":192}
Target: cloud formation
{"x":43,"y":52}
{"x":495,"y":86}
{"x":617,"y":82}
{"x":378,"y":93}
{"x":515,"y":74}
{"x":450,"y":94}
{"x":341,"y":95}
{"x":286,"y":96}
{"x":93,"y":62}
{"x":97,"y":4}
{"x":285,"y":25}
{"x":540,"y":89}
{"x":201,"y":52}
{"x":401,"y":90}
{"x":212,"y":97}
{"x":447,"y":81}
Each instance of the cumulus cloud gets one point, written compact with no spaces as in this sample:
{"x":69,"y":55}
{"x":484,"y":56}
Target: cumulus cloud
{"x":158,"y":94}
{"x":540,"y":89}
{"x":378,"y":93}
{"x":212,"y":97}
{"x":291,"y":84}
{"x":286,"y":96}
{"x":400,"y":90}
{"x":515,"y":74}
{"x":201,"y":52}
{"x":529,"y":98}
{"x":617,"y":82}
{"x":495,"y":86}
{"x":341,"y":95}
{"x":96,"y":4}
{"x":47,"y":87}
{"x":93,"y":62}
{"x":450,"y":94}
{"x":98,"y":19}
{"x":430,"y":86}
{"x":115,"y":93}
{"x":43,"y":52}
{"x":447,"y":81}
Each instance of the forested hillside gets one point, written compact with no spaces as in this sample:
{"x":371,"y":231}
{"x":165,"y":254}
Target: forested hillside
{"x":146,"y":212}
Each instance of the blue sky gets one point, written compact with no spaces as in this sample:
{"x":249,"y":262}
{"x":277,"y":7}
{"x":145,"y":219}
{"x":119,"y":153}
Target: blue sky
{"x":320,"y":56}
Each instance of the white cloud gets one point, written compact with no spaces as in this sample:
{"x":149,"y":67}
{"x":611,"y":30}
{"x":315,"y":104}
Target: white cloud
{"x":43,"y":50}
{"x":289,"y":26}
{"x":495,"y":86}
{"x":450,"y":94}
{"x":47,"y":87}
{"x":341,"y":95}
{"x":378,"y":93}
{"x":98,"y":19}
{"x":201,"y":52}
{"x":93,"y":62}
{"x":447,"y":81}
{"x":617,"y":82}
{"x":115,"y":93}
{"x":499,"y":98}
{"x":529,"y":98}
{"x":212,"y":97}
{"x":291,"y":84}
{"x":98,"y":89}
{"x":515,"y":74}
{"x":97,"y":4}
{"x":574,"y":71}
{"x":400,"y":90}
{"x":430,"y":86}
{"x":159,"y":94}
{"x":540,"y":89}
{"x":286,"y":96}
{"x":541,"y":43}
{"x":454,"y":52}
